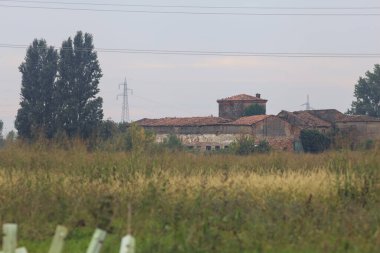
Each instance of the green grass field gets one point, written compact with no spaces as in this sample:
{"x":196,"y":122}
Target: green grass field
{"x":184,"y":202}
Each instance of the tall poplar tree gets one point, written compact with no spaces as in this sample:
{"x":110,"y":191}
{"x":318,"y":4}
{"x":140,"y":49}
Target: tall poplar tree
{"x":79,"y":72}
{"x":37,"y":113}
{"x":1,"y":129}
{"x":1,"y":134}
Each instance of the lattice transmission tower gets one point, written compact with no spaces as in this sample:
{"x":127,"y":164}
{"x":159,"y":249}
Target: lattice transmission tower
{"x":125,"y":106}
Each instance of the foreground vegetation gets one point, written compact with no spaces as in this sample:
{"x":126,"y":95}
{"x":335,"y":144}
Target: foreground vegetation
{"x":185,"y":202}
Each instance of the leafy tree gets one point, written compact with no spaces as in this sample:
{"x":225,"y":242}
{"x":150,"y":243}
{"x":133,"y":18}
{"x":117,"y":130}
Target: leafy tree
{"x":137,"y":139}
{"x":314,"y":141}
{"x":11,"y":137}
{"x":1,"y":129}
{"x":1,"y":133}
{"x":37,"y":112}
{"x":80,"y":110}
{"x":254,"y":109}
{"x":173,"y":142}
{"x":107,"y":130}
{"x":367,"y":93}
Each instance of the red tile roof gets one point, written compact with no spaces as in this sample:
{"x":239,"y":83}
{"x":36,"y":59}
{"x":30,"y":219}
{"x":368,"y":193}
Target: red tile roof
{"x":249,"y":120}
{"x":242,"y":97}
{"x":191,"y":121}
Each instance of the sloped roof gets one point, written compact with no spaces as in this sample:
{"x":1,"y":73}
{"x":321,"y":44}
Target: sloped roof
{"x":242,"y":97}
{"x":189,"y":121}
{"x":303,"y":119}
{"x":333,"y":115}
{"x":358,"y":118}
{"x":249,"y":120}
{"x":311,"y":120}
{"x":329,"y":115}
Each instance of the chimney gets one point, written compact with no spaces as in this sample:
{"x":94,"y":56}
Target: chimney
{"x":258,"y":95}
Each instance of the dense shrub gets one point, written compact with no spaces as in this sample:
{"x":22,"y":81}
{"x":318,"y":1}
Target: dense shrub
{"x":314,"y":141}
{"x":137,"y":139}
{"x":263,"y":147}
{"x":254,"y":109}
{"x":246,"y":145}
{"x":172,"y":142}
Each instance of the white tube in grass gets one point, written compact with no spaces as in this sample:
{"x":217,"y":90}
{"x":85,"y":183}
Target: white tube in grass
{"x":96,"y":241}
{"x":58,"y":240}
{"x":128,"y":242}
{"x":9,"y":238}
{"x":21,"y":250}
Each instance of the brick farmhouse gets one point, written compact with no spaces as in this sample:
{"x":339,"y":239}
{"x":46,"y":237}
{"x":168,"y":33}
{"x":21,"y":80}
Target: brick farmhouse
{"x":282,"y":131}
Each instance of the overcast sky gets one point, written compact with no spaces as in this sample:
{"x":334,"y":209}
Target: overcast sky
{"x":178,"y":85}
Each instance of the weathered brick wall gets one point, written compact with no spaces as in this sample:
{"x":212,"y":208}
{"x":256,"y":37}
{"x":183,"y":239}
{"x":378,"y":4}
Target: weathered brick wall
{"x":363,"y":130}
{"x":217,"y":129}
{"x":282,"y":143}
{"x":274,"y":127}
{"x":201,"y":141}
{"x":279,"y":133}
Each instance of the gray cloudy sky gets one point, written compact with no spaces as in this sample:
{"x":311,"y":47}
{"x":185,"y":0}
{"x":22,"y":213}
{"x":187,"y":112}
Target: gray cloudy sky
{"x":177,"y":85}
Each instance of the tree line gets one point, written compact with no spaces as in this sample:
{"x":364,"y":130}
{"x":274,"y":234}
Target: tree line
{"x":59,"y":89}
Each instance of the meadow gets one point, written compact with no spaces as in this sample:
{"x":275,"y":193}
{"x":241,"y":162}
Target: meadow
{"x":189,"y":202}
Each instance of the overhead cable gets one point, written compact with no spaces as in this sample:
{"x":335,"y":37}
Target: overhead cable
{"x":193,"y":6}
{"x":211,"y":53}
{"x":186,"y":12}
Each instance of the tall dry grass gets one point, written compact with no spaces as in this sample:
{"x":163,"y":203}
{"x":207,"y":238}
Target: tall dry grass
{"x":183,"y":202}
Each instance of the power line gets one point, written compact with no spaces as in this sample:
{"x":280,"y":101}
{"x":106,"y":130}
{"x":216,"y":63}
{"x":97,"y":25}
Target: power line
{"x":212,"y":53}
{"x":187,"y":12}
{"x":195,"y":6}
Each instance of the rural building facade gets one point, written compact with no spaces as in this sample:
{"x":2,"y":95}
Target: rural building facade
{"x":209,"y":133}
{"x":358,"y":128}
{"x":282,"y":131}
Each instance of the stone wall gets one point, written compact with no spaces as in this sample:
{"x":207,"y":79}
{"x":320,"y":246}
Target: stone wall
{"x":215,"y":142}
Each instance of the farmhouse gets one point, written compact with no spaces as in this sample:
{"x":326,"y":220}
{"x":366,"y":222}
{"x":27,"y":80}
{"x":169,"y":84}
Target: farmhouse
{"x":282,"y":131}
{"x":214,"y":133}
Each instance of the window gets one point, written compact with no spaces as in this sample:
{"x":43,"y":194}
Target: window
{"x":217,"y":147}
{"x":226,"y":147}
{"x":190,"y":147}
{"x":208,"y":148}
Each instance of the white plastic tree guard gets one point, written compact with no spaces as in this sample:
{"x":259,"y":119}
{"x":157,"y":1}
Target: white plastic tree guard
{"x":97,"y":241}
{"x":10,"y":240}
{"x":128,"y":244}
{"x":58,"y":240}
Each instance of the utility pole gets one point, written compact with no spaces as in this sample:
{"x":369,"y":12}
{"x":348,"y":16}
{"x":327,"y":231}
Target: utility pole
{"x":125,"y":108}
